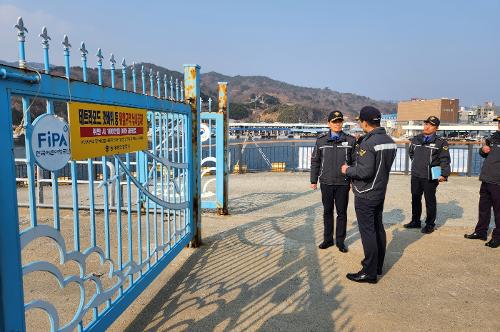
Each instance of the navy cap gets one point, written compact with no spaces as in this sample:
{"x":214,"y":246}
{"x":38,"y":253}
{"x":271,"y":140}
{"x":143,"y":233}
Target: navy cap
{"x":433,"y":120}
{"x":370,"y":114}
{"x":335,"y":115}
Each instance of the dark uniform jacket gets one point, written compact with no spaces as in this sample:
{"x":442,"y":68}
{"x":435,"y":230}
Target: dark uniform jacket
{"x":490,"y":172}
{"x":424,"y":156}
{"x":374,"y":157}
{"x":328,"y":157}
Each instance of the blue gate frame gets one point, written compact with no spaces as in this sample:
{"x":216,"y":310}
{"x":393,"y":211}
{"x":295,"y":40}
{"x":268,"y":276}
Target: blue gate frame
{"x":211,"y":163}
{"x":215,"y":124}
{"x":164,"y":180}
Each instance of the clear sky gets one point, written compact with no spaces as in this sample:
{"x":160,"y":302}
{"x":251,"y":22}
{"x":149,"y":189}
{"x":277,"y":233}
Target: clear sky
{"x":391,"y":50}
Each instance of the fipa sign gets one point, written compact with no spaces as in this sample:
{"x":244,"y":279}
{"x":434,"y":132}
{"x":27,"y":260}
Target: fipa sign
{"x":50,"y":142}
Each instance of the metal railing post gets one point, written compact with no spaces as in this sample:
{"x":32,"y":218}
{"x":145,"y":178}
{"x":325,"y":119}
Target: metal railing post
{"x":192,"y":96}
{"x":292,"y":158}
{"x":407,"y":158}
{"x":239,"y":157}
{"x":470,"y":149}
{"x":224,"y":109}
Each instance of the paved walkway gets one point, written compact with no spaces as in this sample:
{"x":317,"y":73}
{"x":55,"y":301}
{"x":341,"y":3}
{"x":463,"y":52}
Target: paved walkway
{"x":260,"y":268}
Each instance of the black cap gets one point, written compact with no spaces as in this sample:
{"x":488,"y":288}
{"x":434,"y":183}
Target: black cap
{"x":335,"y":115}
{"x":370,"y":114}
{"x":497,"y":118}
{"x":433,"y":120}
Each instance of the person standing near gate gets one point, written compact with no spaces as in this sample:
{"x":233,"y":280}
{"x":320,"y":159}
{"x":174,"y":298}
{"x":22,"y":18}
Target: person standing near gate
{"x":332,"y":150}
{"x":489,"y":194}
{"x":430,"y":158}
{"x":370,"y":174}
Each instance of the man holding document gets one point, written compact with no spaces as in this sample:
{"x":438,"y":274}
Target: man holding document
{"x":430,"y":157}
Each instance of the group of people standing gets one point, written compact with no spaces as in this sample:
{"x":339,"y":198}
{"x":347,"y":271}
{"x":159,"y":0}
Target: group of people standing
{"x":340,"y":161}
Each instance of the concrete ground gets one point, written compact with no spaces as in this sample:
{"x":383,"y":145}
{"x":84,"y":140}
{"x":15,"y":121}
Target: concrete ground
{"x":260,"y":268}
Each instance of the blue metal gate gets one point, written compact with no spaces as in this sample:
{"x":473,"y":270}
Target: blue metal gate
{"x":79,"y":265}
{"x":214,"y":160}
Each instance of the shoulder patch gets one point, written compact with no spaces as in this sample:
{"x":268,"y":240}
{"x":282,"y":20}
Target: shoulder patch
{"x":362,"y":152}
{"x":445,"y":148}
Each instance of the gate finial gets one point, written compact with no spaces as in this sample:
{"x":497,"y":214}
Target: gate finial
{"x":45,"y":43}
{"x":99,"y":56}
{"x":112,"y":59}
{"x":21,"y":29}
{"x":83,"y":51}
{"x":21,"y":37}
{"x":165,"y":85}
{"x":66,"y":43}
{"x":45,"y":37}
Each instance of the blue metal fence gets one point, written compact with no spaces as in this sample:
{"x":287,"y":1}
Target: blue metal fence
{"x":295,"y":155}
{"x":99,"y":256}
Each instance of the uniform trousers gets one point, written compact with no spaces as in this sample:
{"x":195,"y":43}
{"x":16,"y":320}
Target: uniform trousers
{"x":337,"y":195}
{"x":427,"y":187}
{"x":369,"y":215}
{"x":489,"y":196}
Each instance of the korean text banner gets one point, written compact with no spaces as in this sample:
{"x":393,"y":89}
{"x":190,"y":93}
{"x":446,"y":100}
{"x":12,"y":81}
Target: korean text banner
{"x":102,"y":130}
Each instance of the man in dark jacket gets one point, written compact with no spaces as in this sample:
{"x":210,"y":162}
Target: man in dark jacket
{"x":370,"y":174}
{"x":430,"y":158}
{"x":333,"y":149}
{"x":489,"y":194}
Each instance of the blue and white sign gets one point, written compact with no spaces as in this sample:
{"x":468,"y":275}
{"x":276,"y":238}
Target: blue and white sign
{"x":50,"y":142}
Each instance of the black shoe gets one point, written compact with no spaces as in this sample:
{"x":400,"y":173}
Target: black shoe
{"x":428,"y":229}
{"x":342,"y":248}
{"x":475,"y":236}
{"x":325,"y":245}
{"x":361,"y":277}
{"x":412,"y":225}
{"x":493,"y":243}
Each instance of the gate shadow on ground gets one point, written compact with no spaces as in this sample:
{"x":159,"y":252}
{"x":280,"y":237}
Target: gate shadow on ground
{"x":258,"y":201}
{"x":402,"y":238}
{"x":265,"y":275}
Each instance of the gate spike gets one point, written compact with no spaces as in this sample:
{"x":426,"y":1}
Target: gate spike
{"x":66,"y":43}
{"x":99,"y":56}
{"x":134,"y":77}
{"x":45,"y":37}
{"x":165,"y":85}
{"x":21,"y":38}
{"x":83,"y":53}
{"x":21,"y":29}
{"x":112,"y":61}
{"x":83,"y":50}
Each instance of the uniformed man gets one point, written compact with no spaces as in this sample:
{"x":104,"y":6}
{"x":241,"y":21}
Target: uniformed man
{"x":489,"y":194}
{"x":370,"y":174}
{"x":430,"y":165}
{"x":333,"y":149}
